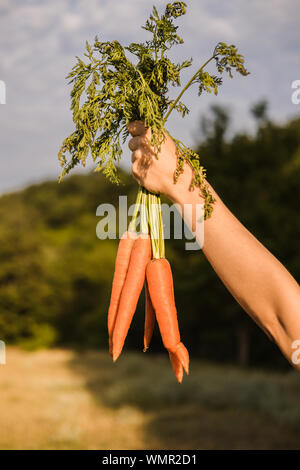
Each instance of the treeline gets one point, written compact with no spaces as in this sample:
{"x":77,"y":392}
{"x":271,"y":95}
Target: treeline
{"x":55,"y":274}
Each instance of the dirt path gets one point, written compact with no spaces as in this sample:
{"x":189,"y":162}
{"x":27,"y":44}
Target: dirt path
{"x":61,"y":399}
{"x":46,"y":405}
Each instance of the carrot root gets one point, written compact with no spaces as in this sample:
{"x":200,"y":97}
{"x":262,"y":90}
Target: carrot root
{"x":135,"y":278}
{"x":121,"y":266}
{"x":160,"y":283}
{"x":149,"y":319}
{"x":182,"y":355}
{"x":177,"y":366}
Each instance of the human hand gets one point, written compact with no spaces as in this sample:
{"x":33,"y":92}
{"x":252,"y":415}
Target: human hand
{"x":156,"y":174}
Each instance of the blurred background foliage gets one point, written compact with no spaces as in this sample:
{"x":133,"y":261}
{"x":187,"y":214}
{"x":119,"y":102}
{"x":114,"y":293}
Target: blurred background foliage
{"x":55,"y":274}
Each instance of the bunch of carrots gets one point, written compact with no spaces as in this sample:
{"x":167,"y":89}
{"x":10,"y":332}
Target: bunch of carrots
{"x":109,"y":90}
{"x":141,"y":262}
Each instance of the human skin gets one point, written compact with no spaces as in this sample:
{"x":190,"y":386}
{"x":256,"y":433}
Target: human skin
{"x":255,"y":278}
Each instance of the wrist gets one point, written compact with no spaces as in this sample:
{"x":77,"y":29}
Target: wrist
{"x":187,"y":196}
{"x":190,"y":203}
{"x":182,"y":191}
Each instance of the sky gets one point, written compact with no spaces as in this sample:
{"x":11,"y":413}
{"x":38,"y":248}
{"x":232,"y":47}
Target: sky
{"x":39,"y":40}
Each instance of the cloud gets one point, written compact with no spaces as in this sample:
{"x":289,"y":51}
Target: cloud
{"x":40,"y":39}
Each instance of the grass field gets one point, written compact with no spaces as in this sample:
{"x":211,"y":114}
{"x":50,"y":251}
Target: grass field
{"x":62,"y":399}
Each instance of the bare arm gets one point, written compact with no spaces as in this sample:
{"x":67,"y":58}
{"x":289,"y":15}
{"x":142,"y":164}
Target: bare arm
{"x":255,"y":278}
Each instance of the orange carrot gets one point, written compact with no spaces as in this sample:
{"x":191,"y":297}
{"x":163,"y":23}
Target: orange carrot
{"x":149,"y":318}
{"x":148,"y":332}
{"x":177,"y":366}
{"x":135,"y":278}
{"x":121,"y":267}
{"x":160,"y":284}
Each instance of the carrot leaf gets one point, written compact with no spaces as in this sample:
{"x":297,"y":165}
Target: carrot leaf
{"x":114,"y":84}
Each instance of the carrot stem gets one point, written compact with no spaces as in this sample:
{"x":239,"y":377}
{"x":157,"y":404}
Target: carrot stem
{"x":131,"y":227}
{"x":156,"y":225}
{"x":144,"y":212}
{"x":189,"y":83}
{"x":161,"y":230}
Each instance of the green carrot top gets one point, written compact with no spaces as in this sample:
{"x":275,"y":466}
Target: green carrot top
{"x":109,"y":91}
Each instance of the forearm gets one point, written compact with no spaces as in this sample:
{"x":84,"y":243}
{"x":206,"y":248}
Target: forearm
{"x":255,"y":278}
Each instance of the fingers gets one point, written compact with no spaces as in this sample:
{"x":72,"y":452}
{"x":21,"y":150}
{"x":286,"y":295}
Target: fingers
{"x":134,"y":143}
{"x":141,"y":156}
{"x":135,"y":171}
{"x":136,"y":155}
{"x":136,"y":128}
{"x":140,"y":165}
{"x":138,"y":142}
